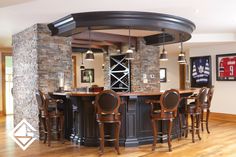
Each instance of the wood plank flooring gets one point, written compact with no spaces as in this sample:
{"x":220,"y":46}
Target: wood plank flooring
{"x":221,"y":142}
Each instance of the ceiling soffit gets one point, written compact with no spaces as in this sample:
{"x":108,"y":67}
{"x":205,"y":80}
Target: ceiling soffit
{"x":104,"y":22}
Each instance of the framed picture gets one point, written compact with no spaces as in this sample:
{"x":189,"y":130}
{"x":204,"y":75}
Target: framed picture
{"x":226,"y":67}
{"x":162,"y":74}
{"x":200,"y":71}
{"x":87,"y":75}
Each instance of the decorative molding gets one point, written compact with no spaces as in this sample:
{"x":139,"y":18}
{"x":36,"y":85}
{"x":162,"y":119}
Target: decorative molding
{"x":81,"y":22}
{"x":3,"y":55}
{"x":5,"y":49}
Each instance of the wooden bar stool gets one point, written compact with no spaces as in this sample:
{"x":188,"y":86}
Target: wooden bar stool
{"x":48,"y":112}
{"x":194,"y":110}
{"x":206,"y":109}
{"x":169,"y":102}
{"x":107,"y":104}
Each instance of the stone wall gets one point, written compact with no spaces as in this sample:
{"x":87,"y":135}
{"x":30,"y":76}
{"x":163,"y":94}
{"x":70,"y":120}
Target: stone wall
{"x":111,"y":51}
{"x":146,"y":61}
{"x":37,"y":59}
{"x":54,"y":55}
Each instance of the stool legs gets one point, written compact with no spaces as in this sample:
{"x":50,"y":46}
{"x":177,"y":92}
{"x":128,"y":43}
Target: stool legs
{"x":169,"y":134}
{"x":47,"y":122}
{"x":186,"y":134}
{"x":183,"y":125}
{"x":180,"y":126}
{"x":48,"y":131}
{"x":62,"y":128}
{"x":101,"y":130}
{"x":117,"y":133}
{"x":44,"y":129}
{"x":195,"y":126}
{"x":202,"y":119}
{"x":154,"y":134}
{"x":102,"y":136}
{"x":207,"y":118}
{"x":198,"y":126}
{"x":192,"y":127}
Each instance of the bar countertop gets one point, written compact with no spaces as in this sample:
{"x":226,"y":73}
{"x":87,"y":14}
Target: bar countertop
{"x":153,"y":93}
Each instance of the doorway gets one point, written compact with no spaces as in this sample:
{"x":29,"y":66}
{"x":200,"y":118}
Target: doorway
{"x":7,"y":84}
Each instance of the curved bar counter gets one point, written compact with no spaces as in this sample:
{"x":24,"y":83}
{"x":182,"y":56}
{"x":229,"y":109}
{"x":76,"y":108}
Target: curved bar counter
{"x":135,"y":125}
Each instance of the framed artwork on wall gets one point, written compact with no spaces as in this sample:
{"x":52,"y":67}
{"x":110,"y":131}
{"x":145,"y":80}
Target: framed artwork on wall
{"x":226,"y":67}
{"x":162,"y":74}
{"x":200,"y":71}
{"x":87,"y":75}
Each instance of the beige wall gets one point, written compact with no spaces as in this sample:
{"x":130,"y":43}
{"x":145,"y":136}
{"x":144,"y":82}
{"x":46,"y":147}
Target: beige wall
{"x":224,"y":100}
{"x":96,"y":65}
{"x":172,"y":68}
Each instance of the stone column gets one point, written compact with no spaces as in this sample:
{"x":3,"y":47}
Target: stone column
{"x":37,"y":59}
{"x":111,"y":51}
{"x":146,"y":61}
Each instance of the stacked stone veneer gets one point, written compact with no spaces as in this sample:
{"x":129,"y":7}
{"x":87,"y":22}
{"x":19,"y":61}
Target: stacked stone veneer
{"x":37,"y":59}
{"x":146,"y":61}
{"x":111,"y":51}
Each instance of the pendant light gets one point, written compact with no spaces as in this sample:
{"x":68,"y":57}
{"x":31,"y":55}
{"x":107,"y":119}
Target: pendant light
{"x":89,"y":54}
{"x":82,"y":65}
{"x":163,"y":55}
{"x":129,"y":52}
{"x":181,"y":57}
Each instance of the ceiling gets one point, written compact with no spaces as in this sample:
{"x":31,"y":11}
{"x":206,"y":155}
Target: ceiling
{"x":215,"y":19}
{"x":133,"y":32}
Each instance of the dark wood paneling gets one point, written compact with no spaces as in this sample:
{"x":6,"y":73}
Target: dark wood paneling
{"x":131,"y":136}
{"x":144,"y":128}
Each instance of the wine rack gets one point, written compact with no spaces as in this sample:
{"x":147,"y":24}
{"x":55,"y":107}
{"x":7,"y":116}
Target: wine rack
{"x":119,"y":73}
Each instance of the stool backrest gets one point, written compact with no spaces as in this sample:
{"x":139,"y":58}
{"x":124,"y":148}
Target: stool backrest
{"x":107,"y":102}
{"x":169,"y":101}
{"x":201,"y":97}
{"x":210,"y":95}
{"x":42,"y":105}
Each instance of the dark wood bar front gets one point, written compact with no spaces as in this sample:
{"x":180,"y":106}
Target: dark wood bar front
{"x":135,"y":124}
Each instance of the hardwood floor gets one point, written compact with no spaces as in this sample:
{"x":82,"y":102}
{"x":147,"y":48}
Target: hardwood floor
{"x":221,"y":142}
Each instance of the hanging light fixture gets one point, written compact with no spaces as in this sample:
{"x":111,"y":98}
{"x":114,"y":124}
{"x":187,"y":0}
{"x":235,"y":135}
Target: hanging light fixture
{"x":163,"y":55}
{"x":184,"y":62}
{"x":129,"y":52}
{"x":181,"y":57}
{"x":82,"y":65}
{"x":89,"y":54}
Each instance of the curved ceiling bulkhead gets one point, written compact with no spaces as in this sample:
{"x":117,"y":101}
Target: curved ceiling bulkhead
{"x":77,"y":24}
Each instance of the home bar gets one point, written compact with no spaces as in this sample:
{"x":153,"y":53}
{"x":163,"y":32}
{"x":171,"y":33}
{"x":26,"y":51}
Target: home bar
{"x":146,"y":78}
{"x":103,"y":79}
{"x":123,"y":72}
{"x":135,"y":123}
